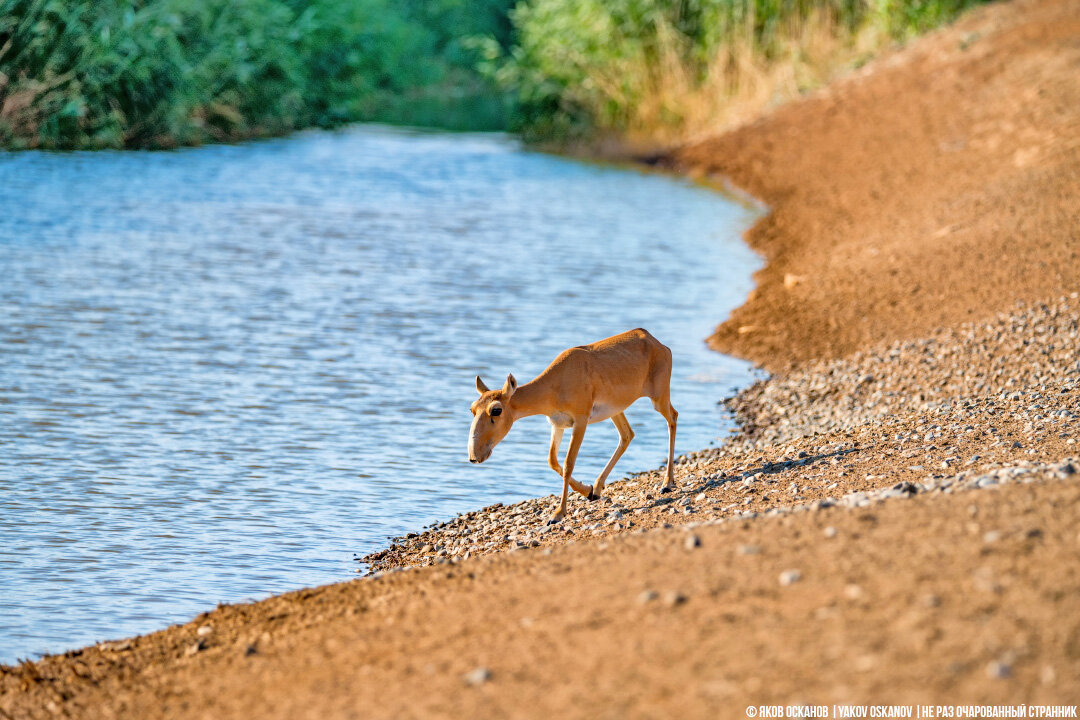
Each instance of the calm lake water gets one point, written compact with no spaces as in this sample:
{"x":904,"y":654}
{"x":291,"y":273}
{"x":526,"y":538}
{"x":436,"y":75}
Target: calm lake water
{"x":225,"y":370}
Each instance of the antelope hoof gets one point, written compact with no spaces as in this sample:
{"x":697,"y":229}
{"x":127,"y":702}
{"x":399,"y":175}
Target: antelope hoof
{"x":555,"y":518}
{"x":667,"y":488}
{"x":593,"y":495}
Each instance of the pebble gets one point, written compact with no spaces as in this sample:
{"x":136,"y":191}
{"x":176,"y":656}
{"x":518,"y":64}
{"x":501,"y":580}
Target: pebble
{"x":673,"y":598}
{"x":647,"y":596}
{"x":477,"y":677}
{"x":830,"y":532}
{"x":749,"y":550}
{"x":692,"y":541}
{"x":790,"y":577}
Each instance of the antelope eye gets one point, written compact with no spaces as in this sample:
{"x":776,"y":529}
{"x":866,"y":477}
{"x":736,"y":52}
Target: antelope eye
{"x":495,"y":412}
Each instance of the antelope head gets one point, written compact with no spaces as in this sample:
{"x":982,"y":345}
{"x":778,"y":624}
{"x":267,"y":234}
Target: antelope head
{"x":492,"y":418}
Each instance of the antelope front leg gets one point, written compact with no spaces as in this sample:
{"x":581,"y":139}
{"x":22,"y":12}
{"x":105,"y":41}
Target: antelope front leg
{"x":561,"y":513}
{"x":577,"y":435}
{"x":553,"y":451}
{"x":553,"y":461}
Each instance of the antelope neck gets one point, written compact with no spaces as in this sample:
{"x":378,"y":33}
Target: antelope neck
{"x":528,"y":400}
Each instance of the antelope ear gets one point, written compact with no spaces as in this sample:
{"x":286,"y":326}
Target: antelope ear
{"x":510,"y":386}
{"x":480,"y":386}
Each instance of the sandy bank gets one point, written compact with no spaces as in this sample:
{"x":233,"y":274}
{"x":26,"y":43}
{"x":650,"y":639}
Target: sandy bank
{"x":939,"y":185}
{"x":809,"y":607}
{"x":897,"y":523}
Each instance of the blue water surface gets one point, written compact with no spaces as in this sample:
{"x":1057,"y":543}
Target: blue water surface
{"x":225,"y":370}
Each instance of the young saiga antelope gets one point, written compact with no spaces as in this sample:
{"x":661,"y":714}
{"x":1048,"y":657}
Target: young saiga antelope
{"x":583,"y":385}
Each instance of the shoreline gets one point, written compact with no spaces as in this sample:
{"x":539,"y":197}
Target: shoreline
{"x":895,"y":520}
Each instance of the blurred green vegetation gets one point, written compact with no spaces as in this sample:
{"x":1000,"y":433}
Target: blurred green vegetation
{"x":582,"y":66}
{"x":161,"y":73}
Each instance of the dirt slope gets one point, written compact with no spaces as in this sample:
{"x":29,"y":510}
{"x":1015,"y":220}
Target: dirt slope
{"x":940,"y":185}
{"x":876,"y":616}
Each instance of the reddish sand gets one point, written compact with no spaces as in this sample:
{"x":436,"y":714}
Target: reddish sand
{"x":940,"y":185}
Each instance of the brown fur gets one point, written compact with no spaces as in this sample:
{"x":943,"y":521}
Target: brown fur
{"x":583,"y":385}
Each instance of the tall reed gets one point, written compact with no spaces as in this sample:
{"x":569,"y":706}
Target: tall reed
{"x":665,"y":70}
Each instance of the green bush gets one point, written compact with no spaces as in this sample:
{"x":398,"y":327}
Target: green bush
{"x":167,"y":72}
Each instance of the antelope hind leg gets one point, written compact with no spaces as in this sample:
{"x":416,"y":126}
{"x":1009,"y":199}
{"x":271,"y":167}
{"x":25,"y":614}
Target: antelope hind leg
{"x":626,"y":434}
{"x":663,"y":406}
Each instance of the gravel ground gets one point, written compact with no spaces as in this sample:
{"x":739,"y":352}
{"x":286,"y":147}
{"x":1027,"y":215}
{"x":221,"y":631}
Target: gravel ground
{"x":963,"y":409}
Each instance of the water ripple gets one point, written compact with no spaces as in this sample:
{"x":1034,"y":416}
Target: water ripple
{"x":225,"y":370}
